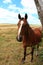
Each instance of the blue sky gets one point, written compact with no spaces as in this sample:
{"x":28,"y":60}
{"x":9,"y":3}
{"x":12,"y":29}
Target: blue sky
{"x":9,"y":10}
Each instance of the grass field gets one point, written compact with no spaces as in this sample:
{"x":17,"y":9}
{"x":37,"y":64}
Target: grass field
{"x":11,"y":51}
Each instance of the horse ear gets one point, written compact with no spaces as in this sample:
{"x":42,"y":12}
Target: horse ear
{"x":26,"y":16}
{"x":19,"y":16}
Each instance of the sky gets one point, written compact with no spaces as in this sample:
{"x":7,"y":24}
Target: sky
{"x":9,"y":10}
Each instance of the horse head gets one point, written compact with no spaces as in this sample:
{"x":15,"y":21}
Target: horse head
{"x":21,"y":26}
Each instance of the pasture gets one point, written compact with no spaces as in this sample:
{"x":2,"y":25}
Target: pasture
{"x":11,"y":51}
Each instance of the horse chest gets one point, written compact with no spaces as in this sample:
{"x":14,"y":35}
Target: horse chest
{"x":31,"y":40}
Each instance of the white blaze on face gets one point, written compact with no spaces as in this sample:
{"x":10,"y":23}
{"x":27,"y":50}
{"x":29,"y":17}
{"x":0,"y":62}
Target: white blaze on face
{"x":20,"y":28}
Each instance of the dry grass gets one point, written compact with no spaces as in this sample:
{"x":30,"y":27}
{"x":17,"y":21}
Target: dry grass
{"x":11,"y":51}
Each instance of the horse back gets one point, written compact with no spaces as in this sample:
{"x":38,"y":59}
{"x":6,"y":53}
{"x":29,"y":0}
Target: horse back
{"x":37,"y":32}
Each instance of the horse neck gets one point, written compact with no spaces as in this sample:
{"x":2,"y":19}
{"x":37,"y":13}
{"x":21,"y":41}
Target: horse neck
{"x":28,"y":31}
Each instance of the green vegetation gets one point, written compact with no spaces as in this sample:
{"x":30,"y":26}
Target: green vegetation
{"x":11,"y":51}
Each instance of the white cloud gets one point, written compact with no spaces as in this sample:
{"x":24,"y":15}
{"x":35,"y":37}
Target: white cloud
{"x":29,"y":5}
{"x":5,"y":13}
{"x":6,"y":1}
{"x":7,"y":16}
{"x":13,"y":7}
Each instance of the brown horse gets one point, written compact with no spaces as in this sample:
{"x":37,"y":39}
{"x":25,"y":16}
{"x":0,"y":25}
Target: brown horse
{"x":30,"y":37}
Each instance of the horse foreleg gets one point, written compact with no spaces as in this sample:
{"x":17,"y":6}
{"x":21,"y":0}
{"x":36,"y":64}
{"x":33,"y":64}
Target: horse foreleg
{"x":23,"y":59}
{"x":37,"y":49}
{"x":32,"y":52}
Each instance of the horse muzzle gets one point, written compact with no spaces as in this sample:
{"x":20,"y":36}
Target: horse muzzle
{"x":19,"y":39}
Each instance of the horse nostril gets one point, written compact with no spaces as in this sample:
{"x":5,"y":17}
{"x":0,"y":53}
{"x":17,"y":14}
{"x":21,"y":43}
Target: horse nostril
{"x":19,"y":39}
